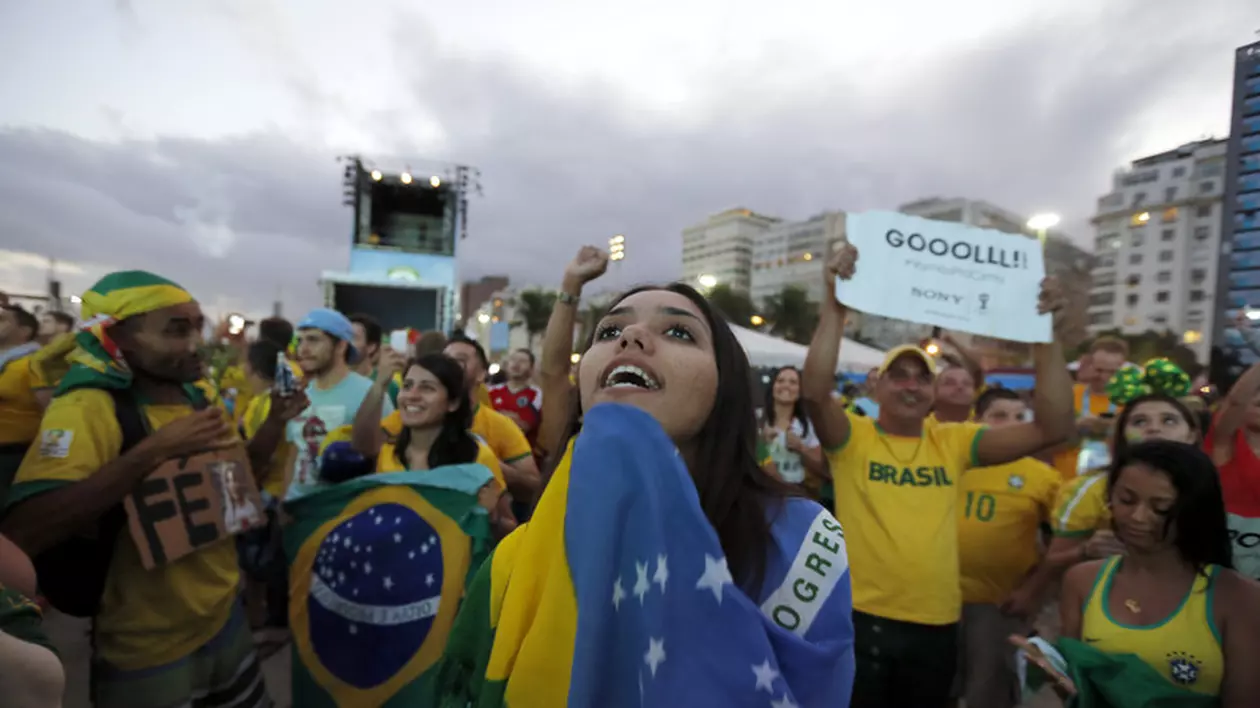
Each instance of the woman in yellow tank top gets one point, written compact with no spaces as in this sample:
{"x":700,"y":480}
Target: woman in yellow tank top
{"x":1173,"y":600}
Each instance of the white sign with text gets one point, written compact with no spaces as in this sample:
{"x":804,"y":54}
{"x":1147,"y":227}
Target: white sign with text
{"x":946,"y":274}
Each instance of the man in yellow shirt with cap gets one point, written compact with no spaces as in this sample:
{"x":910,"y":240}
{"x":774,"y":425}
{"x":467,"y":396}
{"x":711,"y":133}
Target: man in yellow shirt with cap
{"x":897,"y":494}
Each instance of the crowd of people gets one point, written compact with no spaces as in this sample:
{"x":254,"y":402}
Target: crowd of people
{"x":643,"y":527}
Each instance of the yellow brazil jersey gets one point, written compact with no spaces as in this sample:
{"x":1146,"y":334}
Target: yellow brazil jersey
{"x":1184,"y":648}
{"x":999,"y":515}
{"x":1087,"y":404}
{"x":147,"y":617}
{"x":387,"y":461}
{"x":497,"y":430}
{"x":1081,"y":507}
{"x":254,"y":416}
{"x":897,"y":499}
{"x":19,"y":411}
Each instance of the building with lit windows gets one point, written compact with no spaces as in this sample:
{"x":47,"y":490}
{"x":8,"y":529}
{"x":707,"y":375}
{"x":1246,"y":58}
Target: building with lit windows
{"x":1157,"y":236}
{"x":792,"y":253}
{"x":722,"y":247}
{"x":1239,"y":287}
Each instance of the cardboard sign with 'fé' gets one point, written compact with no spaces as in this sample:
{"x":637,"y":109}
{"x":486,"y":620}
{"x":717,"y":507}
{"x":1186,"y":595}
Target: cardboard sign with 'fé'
{"x":191,"y":502}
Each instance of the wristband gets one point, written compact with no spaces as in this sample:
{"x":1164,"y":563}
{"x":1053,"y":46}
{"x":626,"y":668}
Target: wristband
{"x":566,"y":298}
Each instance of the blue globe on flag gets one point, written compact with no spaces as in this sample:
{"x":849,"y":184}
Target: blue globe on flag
{"x":375,"y":590}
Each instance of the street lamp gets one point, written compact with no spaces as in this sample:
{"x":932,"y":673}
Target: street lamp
{"x":617,"y":248}
{"x":707,"y":280}
{"x":1041,"y":223}
{"x":757,"y":320}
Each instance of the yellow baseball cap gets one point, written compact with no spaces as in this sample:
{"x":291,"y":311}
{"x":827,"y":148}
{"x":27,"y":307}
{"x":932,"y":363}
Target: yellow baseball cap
{"x":911,"y":350}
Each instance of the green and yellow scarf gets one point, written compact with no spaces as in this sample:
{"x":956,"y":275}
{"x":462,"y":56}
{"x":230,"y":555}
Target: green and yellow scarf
{"x":89,"y":358}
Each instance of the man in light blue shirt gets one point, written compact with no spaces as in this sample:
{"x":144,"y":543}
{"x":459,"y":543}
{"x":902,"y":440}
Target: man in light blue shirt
{"x":325,"y":352}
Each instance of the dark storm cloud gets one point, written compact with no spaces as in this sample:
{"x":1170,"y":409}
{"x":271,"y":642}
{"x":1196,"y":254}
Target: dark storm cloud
{"x":240,"y":219}
{"x":1035,"y":118}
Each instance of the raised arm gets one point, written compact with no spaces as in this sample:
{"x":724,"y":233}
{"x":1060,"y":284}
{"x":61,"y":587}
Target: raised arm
{"x":818,"y":378}
{"x":553,"y":370}
{"x":1233,"y":412}
{"x":366,"y":436}
{"x":1052,"y":400}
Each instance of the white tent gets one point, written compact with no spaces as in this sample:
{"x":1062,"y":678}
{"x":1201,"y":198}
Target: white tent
{"x":764,"y":350}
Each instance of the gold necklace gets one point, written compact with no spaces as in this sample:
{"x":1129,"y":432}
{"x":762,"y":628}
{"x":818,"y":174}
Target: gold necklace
{"x":883,"y":438}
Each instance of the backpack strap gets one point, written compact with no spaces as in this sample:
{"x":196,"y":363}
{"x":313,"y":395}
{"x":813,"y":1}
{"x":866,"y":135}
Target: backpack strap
{"x":131,"y":420}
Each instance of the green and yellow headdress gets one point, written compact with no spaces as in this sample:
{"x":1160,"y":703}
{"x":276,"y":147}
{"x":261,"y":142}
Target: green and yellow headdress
{"x":88,"y":358}
{"x":1158,"y":376}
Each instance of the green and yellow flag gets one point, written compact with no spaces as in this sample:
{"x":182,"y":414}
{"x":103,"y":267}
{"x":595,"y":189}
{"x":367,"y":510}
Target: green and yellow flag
{"x":378,"y":567}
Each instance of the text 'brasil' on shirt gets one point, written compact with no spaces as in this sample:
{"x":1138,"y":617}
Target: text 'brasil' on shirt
{"x":897,"y":498}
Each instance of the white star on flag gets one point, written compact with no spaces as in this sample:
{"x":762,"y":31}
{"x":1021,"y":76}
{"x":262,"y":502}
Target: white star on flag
{"x":354,"y":629}
{"x":432,"y":539}
{"x":428,"y":579}
{"x":655,"y":654}
{"x":766,"y":674}
{"x":641,"y":584}
{"x":662,"y":572}
{"x":716,"y":574}
{"x":397,"y":520}
{"x":347,"y":542}
{"x":378,"y":519}
{"x":389,"y":583}
{"x":619,"y":594}
{"x":411,"y":555}
{"x":397,"y":538}
{"x":367,"y":568}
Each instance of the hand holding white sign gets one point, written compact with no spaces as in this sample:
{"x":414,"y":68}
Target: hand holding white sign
{"x":841,"y":265}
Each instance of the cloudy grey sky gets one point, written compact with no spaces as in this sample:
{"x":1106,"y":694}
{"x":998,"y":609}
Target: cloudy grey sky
{"x":198,"y":138}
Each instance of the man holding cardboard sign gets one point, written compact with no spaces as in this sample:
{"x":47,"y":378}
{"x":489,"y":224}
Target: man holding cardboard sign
{"x":128,"y":441}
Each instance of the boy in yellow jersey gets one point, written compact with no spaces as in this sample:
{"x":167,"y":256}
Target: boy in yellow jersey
{"x":498,"y":431}
{"x":1002,"y":510}
{"x":896,"y":487}
{"x":19,"y":410}
{"x":175,"y":633}
{"x":1094,"y":410}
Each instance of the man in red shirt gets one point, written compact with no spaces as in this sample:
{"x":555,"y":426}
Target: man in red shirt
{"x":518,"y":399}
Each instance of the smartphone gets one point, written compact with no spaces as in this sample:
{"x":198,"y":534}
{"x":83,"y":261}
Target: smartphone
{"x":398,"y":341}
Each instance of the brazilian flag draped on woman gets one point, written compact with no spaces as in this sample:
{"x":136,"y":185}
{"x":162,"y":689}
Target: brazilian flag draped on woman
{"x":617,"y":593}
{"x":378,"y":566}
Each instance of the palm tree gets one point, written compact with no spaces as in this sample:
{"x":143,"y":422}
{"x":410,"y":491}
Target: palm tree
{"x":791,"y":314}
{"x":533,"y":309}
{"x":735,"y":305}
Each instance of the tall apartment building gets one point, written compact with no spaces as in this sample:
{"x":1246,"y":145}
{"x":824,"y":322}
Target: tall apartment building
{"x":792,"y":253}
{"x":1063,"y":259}
{"x":1158,"y":235}
{"x":1239,"y":285}
{"x":722,"y":247}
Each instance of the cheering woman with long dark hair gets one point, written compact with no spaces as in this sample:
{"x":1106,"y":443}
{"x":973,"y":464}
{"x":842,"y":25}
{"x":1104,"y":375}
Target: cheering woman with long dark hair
{"x":662,"y":565}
